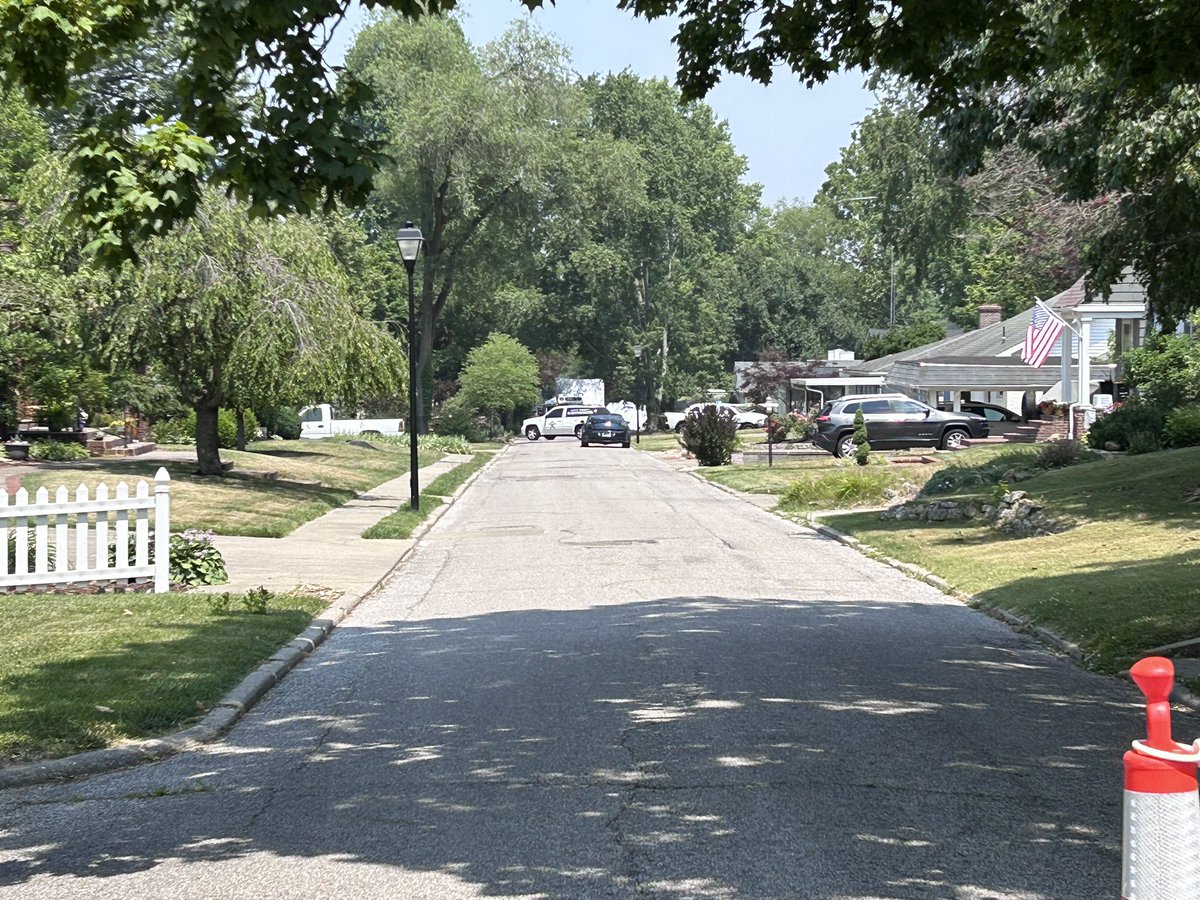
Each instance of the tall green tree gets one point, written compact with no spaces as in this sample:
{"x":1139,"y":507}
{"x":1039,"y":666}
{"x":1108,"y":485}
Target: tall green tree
{"x":234,"y":312}
{"x":500,"y":375}
{"x":470,"y":137}
{"x":650,"y":262}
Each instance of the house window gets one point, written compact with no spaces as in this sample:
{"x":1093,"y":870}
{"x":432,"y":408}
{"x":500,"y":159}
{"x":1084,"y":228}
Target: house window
{"x":1129,"y":335}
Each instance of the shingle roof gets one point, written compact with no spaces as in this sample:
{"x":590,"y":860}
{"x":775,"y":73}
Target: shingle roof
{"x":998,"y":339}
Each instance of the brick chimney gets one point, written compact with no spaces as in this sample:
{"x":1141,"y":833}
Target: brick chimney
{"x":989,"y":314}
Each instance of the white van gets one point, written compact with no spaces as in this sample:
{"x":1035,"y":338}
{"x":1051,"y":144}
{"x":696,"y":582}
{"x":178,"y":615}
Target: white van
{"x":561,"y":420}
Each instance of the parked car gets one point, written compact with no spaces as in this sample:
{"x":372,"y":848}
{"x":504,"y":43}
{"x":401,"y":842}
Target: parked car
{"x":322,"y":421}
{"x":990,"y":411}
{"x":893,"y":421}
{"x":605,"y":428}
{"x":559,"y":421}
{"x":673,"y":421}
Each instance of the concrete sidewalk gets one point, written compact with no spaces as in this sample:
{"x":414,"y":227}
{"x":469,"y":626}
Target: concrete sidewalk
{"x":328,"y":554}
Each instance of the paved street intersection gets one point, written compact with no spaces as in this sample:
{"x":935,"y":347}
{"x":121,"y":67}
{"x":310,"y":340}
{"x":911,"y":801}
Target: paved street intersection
{"x":596,"y":677}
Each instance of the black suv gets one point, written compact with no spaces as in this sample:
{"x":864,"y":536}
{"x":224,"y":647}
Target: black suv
{"x":894,"y":421}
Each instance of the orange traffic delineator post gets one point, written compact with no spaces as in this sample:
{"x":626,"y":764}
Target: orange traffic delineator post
{"x":1161,"y":859}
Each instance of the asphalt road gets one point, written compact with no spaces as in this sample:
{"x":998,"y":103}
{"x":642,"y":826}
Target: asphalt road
{"x":600,"y":677}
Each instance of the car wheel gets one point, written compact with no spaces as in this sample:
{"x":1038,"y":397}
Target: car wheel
{"x":532,"y":433}
{"x":549,"y":437}
{"x":679,"y":428}
{"x":583,"y":442}
{"x":625,"y":445}
{"x":579,"y":431}
{"x":844,"y":448}
{"x":954,"y":439}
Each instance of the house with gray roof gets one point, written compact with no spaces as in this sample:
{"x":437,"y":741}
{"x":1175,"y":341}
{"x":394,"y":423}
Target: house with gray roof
{"x":985,"y":364}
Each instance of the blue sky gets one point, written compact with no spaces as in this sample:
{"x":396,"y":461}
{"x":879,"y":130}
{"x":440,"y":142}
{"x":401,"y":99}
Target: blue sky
{"x":787,"y":133}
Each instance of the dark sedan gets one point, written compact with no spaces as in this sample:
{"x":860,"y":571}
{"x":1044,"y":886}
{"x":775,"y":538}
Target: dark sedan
{"x":605,"y":428}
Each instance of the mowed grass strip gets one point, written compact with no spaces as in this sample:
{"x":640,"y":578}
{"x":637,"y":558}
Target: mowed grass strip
{"x":400,"y":524}
{"x":81,"y":672}
{"x":1123,"y":580}
{"x":826,"y":482}
{"x":309,"y":479}
{"x":448,"y":482}
{"x":656,"y":441}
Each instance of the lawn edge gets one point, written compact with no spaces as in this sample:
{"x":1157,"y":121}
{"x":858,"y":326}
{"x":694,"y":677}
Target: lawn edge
{"x":236,"y":702}
{"x":1180,"y":695}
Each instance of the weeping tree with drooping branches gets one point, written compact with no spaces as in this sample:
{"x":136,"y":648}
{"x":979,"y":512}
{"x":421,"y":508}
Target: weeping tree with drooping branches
{"x":235,"y":312}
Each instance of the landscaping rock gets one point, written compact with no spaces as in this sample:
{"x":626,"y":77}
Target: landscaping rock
{"x":1015,"y":514}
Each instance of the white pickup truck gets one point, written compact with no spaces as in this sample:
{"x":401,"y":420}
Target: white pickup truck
{"x":745,"y":418}
{"x":318,"y":422}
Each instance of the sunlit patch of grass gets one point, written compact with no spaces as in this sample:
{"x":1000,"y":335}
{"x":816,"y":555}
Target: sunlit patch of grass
{"x":78,"y":672}
{"x":1124,"y":580}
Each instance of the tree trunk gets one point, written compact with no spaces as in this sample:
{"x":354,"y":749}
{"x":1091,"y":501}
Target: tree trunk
{"x":425,"y":317}
{"x":208,"y":446}
{"x":241,"y":428}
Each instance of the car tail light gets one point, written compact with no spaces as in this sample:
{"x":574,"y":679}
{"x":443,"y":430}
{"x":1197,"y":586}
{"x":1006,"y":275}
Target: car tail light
{"x":822,"y":418}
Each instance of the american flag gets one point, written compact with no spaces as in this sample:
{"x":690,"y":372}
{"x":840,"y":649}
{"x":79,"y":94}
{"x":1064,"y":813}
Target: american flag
{"x":1044,"y":329}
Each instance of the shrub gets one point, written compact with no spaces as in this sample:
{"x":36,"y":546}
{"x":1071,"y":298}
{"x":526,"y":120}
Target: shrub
{"x":843,"y":488}
{"x":57,"y":451}
{"x":1060,"y":454}
{"x":227,"y":428}
{"x":953,"y":479}
{"x":194,"y":560}
{"x":777,"y":429}
{"x":958,"y":477}
{"x":455,"y":419}
{"x":444,"y":443}
{"x":1121,"y":423}
{"x":1144,"y":441}
{"x":30,"y":553}
{"x":281,"y":420}
{"x":1165,"y":370}
{"x":709,"y":434}
{"x":801,"y":427}
{"x":1183,"y":427}
{"x":179,"y":430}
{"x":862,"y":450}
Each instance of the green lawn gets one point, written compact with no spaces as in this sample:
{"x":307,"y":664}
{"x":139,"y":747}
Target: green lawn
{"x":659,"y":440}
{"x":400,"y":524}
{"x":1125,"y":579}
{"x":274,"y":486}
{"x":79,"y":672}
{"x":832,"y":483}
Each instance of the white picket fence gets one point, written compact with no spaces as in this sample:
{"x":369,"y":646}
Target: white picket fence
{"x":66,"y":552}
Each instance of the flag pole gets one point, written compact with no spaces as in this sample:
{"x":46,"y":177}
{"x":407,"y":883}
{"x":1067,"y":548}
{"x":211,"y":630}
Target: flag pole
{"x":1054,"y":315}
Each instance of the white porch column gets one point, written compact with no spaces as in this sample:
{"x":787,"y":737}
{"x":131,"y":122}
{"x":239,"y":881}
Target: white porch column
{"x":1064,"y":369}
{"x":1085,"y":359}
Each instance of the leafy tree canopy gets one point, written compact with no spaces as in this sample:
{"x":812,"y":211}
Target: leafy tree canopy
{"x":500,"y":375}
{"x":1104,"y":93}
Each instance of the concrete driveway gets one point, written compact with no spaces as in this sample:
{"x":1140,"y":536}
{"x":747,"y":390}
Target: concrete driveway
{"x":600,"y":677}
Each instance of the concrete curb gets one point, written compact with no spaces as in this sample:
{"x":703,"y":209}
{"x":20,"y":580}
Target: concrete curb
{"x":233,"y":705}
{"x":1180,"y":695}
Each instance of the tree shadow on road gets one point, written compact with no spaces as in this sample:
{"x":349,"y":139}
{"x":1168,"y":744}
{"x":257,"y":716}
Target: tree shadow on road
{"x":684,"y":747}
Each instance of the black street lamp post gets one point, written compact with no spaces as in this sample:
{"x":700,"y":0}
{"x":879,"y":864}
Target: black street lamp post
{"x":409,"y":240}
{"x":637,"y":377}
